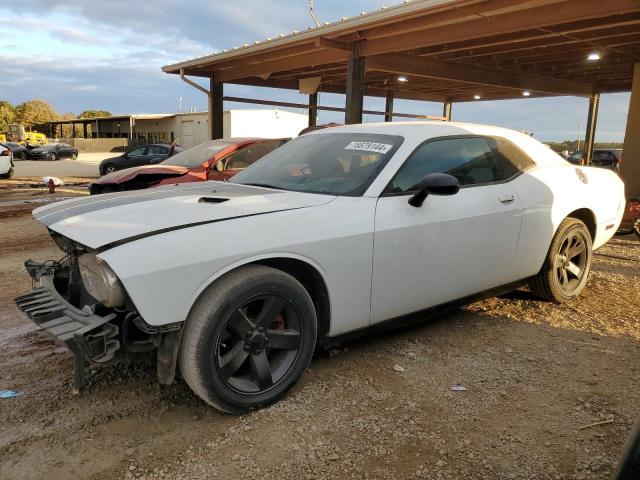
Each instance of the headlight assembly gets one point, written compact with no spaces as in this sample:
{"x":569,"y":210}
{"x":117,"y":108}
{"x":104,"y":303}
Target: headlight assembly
{"x":100,"y":281}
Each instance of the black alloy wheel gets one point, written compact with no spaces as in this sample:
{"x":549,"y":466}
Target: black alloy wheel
{"x":566,"y":267}
{"x":259,"y":344}
{"x":571,"y":261}
{"x":248,"y":339}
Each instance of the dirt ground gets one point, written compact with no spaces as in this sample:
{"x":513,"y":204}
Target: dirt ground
{"x":537,"y":376}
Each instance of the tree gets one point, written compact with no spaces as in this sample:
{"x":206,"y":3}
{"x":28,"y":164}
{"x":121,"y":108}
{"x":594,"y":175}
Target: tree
{"x":7,"y":115}
{"x":95,"y":114}
{"x":34,"y":112}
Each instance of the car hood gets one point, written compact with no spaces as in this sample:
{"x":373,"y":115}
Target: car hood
{"x":129,"y":174}
{"x":116,"y":218}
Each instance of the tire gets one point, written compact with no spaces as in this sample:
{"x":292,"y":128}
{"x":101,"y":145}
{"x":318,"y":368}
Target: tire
{"x":54,"y":156}
{"x":9,"y":174}
{"x":566,"y":267}
{"x":24,"y":156}
{"x":74,"y":156}
{"x":636,"y":228}
{"x":265,"y":321}
{"x":109,"y":168}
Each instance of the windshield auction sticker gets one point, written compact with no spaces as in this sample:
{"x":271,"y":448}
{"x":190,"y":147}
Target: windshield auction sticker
{"x":369,"y":147}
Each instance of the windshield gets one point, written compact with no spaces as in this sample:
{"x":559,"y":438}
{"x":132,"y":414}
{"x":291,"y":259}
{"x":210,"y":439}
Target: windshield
{"x":196,"y":156}
{"x":330,"y":163}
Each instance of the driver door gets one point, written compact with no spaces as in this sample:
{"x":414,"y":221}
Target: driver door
{"x":451,"y":246}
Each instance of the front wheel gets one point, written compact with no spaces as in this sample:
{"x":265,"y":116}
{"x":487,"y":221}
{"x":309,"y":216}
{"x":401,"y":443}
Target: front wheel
{"x":74,"y":156}
{"x":565,"y":270}
{"x":248,"y":339}
{"x":9,"y":174}
{"x":109,"y":169}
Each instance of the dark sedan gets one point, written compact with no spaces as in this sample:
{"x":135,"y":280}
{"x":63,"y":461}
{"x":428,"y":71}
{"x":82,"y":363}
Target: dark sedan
{"x":53,"y":151}
{"x":138,"y":156}
{"x":20,"y":152}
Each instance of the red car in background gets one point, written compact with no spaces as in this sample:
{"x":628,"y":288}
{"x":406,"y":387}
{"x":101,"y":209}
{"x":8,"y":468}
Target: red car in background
{"x":631,"y":220}
{"x":213,"y":160}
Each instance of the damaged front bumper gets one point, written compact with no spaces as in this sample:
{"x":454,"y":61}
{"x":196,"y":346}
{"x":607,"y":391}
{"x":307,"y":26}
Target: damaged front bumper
{"x":91,"y":337}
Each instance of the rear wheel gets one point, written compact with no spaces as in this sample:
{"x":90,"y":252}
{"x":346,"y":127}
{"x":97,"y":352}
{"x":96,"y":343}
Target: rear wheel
{"x":248,"y":339}
{"x":23,"y":156}
{"x":566,"y":268}
{"x":74,"y":156}
{"x":9,"y":174}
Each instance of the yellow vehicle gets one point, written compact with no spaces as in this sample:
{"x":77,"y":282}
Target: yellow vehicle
{"x":17,"y":134}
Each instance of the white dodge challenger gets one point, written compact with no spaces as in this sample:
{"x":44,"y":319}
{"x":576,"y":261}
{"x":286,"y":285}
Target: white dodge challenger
{"x":337,"y":231}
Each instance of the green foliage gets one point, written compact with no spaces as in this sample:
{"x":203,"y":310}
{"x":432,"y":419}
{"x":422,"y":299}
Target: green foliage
{"x":34,"y":112}
{"x":7,"y":115}
{"x":95,"y":114}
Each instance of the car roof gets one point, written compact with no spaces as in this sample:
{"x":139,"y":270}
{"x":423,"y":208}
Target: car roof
{"x":416,"y":132}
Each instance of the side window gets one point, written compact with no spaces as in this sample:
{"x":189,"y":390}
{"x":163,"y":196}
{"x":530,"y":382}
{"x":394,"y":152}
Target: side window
{"x":470,"y":160}
{"x":241,"y":159}
{"x":156,"y":150}
{"x":510,"y":158}
{"x":137,"y":152}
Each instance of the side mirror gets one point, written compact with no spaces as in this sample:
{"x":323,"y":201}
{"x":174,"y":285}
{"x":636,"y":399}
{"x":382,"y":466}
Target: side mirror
{"x":435,"y":184}
{"x":219,"y":166}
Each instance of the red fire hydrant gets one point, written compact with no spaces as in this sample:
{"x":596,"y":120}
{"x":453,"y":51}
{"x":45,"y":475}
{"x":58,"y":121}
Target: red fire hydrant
{"x":52,"y":186}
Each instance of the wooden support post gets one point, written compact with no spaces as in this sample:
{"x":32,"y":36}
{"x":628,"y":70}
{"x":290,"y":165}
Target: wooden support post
{"x":313,"y":109}
{"x":216,"y":110}
{"x":84,"y":129}
{"x":446,"y":110}
{"x":590,"y":134}
{"x":355,"y":87}
{"x":630,"y":170}
{"x":388,"y":107}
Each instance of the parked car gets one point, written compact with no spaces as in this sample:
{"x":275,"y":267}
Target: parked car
{"x":339,"y":230}
{"x":137,"y":156}
{"x":605,"y":158}
{"x":631,"y":219}
{"x":214,"y":160}
{"x":20,"y":152}
{"x":6,"y":161}
{"x":53,"y":151}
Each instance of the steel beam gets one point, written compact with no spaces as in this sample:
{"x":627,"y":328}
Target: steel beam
{"x":446,"y":110}
{"x":216,"y":109}
{"x":388,"y":107}
{"x":630,"y":170}
{"x":590,"y":134}
{"x":355,"y":87}
{"x":313,"y":109}
{"x":432,"y":68}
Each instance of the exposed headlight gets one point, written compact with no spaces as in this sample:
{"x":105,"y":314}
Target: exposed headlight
{"x":100,"y":281}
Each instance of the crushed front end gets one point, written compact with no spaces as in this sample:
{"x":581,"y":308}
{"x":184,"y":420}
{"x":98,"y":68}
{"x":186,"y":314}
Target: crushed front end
{"x":81,"y":303}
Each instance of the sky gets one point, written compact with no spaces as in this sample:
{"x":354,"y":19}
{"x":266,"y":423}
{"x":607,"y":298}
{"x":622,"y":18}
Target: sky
{"x":107,"y":55}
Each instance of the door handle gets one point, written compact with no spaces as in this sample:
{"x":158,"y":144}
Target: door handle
{"x":506,"y":198}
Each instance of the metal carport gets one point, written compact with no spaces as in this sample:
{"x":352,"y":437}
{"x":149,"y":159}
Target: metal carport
{"x":448,"y":51}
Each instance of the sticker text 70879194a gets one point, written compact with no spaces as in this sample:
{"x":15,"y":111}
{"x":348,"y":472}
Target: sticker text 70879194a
{"x":369,"y":147}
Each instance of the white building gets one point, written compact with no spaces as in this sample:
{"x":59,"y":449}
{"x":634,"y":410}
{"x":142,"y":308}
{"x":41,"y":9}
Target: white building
{"x":188,"y":128}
